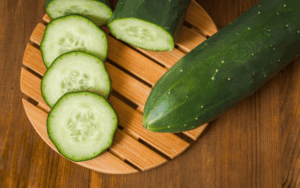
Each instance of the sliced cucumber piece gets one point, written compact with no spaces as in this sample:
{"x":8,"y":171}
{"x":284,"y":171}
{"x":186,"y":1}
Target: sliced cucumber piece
{"x":72,"y":33}
{"x":99,"y":11}
{"x":82,"y":125}
{"x":142,"y":34}
{"x":75,"y":71}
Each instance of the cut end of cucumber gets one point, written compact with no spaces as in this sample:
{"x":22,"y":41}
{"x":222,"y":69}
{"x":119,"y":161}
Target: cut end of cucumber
{"x":142,"y":34}
{"x":96,"y":11}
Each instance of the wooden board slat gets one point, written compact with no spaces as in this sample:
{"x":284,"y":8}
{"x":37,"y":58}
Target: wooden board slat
{"x":135,"y":152}
{"x":164,"y":57}
{"x":188,"y":39}
{"x":196,"y":16}
{"x":28,"y":80}
{"x":38,"y":33}
{"x":130,"y":119}
{"x":133,"y":61}
{"x":106,"y":162}
{"x":46,"y":18}
{"x":33,"y":59}
{"x":128,"y":86}
{"x":195,"y":133}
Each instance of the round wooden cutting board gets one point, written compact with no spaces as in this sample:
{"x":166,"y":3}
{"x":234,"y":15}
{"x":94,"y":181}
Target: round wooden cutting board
{"x":133,"y":72}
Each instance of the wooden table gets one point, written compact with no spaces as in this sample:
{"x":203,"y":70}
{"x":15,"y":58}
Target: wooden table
{"x":254,"y":144}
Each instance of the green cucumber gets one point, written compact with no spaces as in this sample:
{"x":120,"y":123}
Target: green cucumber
{"x":82,"y":125}
{"x":72,"y":33}
{"x":226,"y":68}
{"x":151,"y":25}
{"x":99,"y":11}
{"x":75,"y":71}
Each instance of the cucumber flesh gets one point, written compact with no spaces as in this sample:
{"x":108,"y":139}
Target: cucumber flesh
{"x":82,"y":125}
{"x":97,"y":11}
{"x":142,"y":34}
{"x":75,"y":71}
{"x":72,"y":33}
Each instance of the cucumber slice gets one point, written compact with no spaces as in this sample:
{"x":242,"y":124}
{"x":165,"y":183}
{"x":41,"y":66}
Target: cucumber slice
{"x":72,"y":33}
{"x":142,"y":34}
{"x":75,"y":71}
{"x":82,"y":125}
{"x":99,"y":11}
{"x":152,"y":25}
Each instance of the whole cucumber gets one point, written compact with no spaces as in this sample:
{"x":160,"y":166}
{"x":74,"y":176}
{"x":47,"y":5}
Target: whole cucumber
{"x":226,"y":68}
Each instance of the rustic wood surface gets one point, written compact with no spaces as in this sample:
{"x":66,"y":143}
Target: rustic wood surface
{"x":254,"y":144}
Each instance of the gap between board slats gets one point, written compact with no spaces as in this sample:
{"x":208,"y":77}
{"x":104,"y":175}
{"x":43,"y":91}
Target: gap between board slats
{"x":124,"y":84}
{"x":201,"y":21}
{"x":169,"y":144}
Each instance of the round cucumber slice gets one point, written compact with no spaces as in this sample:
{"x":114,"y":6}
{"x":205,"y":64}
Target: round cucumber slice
{"x":75,"y":71}
{"x":82,"y":125}
{"x":98,"y":11}
{"x":72,"y":33}
{"x":141,"y":34}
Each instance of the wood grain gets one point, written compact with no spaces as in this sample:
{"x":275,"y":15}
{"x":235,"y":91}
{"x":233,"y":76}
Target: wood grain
{"x":254,"y":144}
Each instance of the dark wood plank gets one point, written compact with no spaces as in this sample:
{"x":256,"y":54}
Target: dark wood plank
{"x":289,"y":118}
